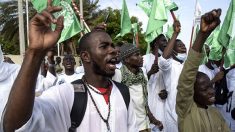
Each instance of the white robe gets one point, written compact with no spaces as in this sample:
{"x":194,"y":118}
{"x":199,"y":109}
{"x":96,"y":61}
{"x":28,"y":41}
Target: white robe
{"x":51,"y":112}
{"x":210,"y":73}
{"x":63,"y":78}
{"x":230,"y":77}
{"x":8,"y":74}
{"x":171,"y":77}
{"x":137,"y":96}
{"x":156,"y":84}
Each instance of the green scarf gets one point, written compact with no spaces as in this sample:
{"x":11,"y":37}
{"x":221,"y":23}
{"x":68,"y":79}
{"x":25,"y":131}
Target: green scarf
{"x":129,"y":78}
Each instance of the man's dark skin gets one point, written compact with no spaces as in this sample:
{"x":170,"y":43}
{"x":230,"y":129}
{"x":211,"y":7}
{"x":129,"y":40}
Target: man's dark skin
{"x":203,"y":91}
{"x":167,"y":52}
{"x":159,"y":42}
{"x":134,"y":62}
{"x":99,"y":64}
{"x":179,"y":47}
{"x":69,"y":63}
{"x":41,"y":39}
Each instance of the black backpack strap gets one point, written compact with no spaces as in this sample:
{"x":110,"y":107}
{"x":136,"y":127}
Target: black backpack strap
{"x":124,"y":91}
{"x":79,"y":104}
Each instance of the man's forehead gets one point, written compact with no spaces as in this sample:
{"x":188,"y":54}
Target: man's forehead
{"x":100,"y":36}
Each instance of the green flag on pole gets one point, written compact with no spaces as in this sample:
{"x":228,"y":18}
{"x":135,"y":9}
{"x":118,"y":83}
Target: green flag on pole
{"x":171,"y":6}
{"x":226,"y":35}
{"x":158,"y":17}
{"x":145,"y":6}
{"x":71,"y":23}
{"x":215,"y":47}
{"x":125,"y":20}
{"x":170,"y":31}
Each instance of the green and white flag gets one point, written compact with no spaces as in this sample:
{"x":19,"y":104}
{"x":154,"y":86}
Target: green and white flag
{"x":145,"y":6}
{"x":171,"y":6}
{"x":215,"y":47}
{"x":71,"y":23}
{"x":158,"y":17}
{"x":125,"y":20}
{"x":226,"y":35}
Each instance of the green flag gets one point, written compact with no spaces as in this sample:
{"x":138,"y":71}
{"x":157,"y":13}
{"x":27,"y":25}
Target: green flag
{"x":171,"y":6}
{"x":226,"y":35}
{"x":215,"y":47}
{"x":145,"y":6}
{"x":40,"y":5}
{"x":158,"y":17}
{"x":125,"y":20}
{"x":170,"y":31}
{"x":71,"y":23}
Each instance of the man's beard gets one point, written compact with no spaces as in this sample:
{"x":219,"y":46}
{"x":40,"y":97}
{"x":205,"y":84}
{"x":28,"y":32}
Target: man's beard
{"x":98,"y":70}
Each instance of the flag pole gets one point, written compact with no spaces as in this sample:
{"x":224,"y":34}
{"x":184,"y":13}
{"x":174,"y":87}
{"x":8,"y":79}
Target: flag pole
{"x":80,"y":16}
{"x":191,"y":38}
{"x":27,"y":20}
{"x":21,"y":27}
{"x":173,"y":15}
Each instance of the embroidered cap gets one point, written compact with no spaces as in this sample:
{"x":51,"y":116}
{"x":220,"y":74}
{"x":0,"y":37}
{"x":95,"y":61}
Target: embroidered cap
{"x":127,"y":49}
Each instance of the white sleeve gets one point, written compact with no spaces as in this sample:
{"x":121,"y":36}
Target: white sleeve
{"x":132,"y":126}
{"x":164,"y":64}
{"x":117,"y":76}
{"x":49,"y":80}
{"x":51,"y":111}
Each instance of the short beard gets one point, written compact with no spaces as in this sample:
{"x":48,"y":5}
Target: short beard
{"x":98,"y":70}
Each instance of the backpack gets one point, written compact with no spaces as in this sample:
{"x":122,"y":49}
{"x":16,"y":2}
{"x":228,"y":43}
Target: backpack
{"x":222,"y":93}
{"x":80,"y":101}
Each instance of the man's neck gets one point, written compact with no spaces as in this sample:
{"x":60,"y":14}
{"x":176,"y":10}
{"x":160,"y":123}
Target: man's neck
{"x":202,"y":106}
{"x":98,"y":81}
{"x":69,"y":72}
{"x":134,"y":70}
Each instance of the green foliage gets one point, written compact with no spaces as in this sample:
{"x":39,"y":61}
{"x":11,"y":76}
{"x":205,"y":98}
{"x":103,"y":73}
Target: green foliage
{"x":113,"y":26}
{"x":9,"y":25}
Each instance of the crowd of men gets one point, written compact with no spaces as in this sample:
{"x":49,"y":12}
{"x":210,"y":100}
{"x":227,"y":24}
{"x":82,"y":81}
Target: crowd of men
{"x":116,"y":89}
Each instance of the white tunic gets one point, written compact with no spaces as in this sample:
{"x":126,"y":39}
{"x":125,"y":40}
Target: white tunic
{"x":230,"y":77}
{"x":8,"y":74}
{"x":62,"y":78}
{"x":210,"y":73}
{"x":156,"y":84}
{"x":171,"y":82}
{"x":137,"y":96}
{"x":51,"y":112}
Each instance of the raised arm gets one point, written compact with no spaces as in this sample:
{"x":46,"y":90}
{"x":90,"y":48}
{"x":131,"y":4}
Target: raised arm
{"x":184,"y":100}
{"x":169,"y":48}
{"x":41,"y":38}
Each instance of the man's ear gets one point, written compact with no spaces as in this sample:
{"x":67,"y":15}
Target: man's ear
{"x":85,"y":56}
